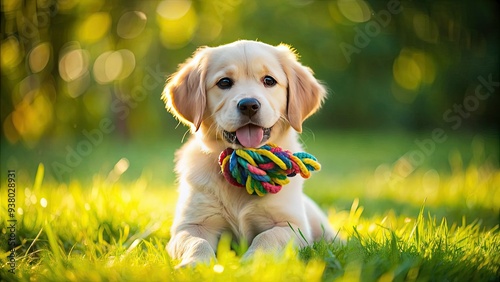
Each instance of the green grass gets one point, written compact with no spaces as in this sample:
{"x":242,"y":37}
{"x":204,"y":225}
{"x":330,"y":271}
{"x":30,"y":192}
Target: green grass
{"x":440,"y":223}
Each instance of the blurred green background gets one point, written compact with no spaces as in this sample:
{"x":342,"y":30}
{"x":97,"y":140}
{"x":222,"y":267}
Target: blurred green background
{"x":81,"y":80}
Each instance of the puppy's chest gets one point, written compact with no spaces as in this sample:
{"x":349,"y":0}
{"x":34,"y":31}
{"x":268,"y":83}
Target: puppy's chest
{"x":219,"y":203}
{"x":245,"y":215}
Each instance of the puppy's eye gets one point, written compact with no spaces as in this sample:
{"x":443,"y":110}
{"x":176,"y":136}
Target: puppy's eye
{"x":269,"y":81}
{"x":225,"y":83}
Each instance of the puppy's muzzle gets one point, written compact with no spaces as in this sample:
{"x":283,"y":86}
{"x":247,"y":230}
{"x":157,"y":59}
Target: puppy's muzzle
{"x":250,"y":134}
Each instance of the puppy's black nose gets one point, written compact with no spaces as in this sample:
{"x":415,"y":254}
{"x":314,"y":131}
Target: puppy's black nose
{"x":249,"y":106}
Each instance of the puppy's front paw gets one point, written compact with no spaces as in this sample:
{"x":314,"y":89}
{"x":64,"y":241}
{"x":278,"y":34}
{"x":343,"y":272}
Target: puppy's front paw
{"x":190,"y":250}
{"x":192,"y":262}
{"x":247,"y":256}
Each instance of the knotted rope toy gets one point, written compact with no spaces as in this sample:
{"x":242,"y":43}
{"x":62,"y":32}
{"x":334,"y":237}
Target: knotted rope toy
{"x":266,"y":169}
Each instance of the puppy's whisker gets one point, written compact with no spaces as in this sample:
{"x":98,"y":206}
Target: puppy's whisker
{"x":184,"y":136}
{"x":216,"y":129}
{"x":219,"y":131}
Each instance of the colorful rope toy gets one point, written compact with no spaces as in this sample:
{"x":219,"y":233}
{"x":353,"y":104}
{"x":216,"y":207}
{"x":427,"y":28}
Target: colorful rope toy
{"x":266,"y":169}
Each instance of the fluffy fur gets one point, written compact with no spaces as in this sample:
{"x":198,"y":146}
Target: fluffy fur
{"x":208,"y":205}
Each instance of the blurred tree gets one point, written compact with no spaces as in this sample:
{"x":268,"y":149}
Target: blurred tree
{"x":68,"y":65}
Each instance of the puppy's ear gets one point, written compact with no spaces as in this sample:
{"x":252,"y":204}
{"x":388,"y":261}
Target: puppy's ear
{"x":305,"y":93}
{"x":185,"y":94}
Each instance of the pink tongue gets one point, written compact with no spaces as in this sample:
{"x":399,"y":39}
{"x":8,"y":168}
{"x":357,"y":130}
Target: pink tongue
{"x":250,"y":136}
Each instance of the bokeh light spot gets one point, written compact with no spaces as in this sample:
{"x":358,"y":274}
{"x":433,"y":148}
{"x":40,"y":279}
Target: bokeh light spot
{"x":95,"y":27}
{"x":39,"y":57}
{"x":178,"y":22}
{"x":113,"y":65}
{"x":10,"y":51}
{"x":78,"y":86}
{"x":425,"y":28}
{"x":412,"y":68}
{"x":99,"y":69}
{"x":173,"y":9}
{"x":74,"y":63}
{"x":32,"y":116}
{"x":406,"y":71}
{"x":121,"y":166}
{"x":43,"y":202}
{"x":218,"y":268}
{"x":33,"y":199}
{"x":110,"y":66}
{"x":335,"y":13}
{"x":356,"y":11}
{"x":426,"y":65}
{"x":131,"y":24}
{"x":128,"y":63}
{"x":26,"y":87}
{"x":9,"y":131}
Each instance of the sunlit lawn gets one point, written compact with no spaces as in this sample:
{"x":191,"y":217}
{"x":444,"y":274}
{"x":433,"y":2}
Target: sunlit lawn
{"x":103,"y":223}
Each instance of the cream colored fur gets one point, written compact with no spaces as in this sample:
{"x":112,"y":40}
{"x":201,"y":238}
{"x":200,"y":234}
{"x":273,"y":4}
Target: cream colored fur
{"x":208,"y":205}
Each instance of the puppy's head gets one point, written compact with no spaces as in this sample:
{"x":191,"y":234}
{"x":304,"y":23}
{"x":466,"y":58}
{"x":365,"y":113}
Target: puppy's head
{"x":244,"y":94}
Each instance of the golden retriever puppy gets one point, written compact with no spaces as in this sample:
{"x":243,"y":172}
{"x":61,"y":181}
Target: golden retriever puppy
{"x":242,"y":94}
